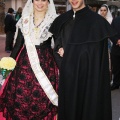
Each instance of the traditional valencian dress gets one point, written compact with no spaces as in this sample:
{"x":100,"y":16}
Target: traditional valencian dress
{"x":30,"y":92}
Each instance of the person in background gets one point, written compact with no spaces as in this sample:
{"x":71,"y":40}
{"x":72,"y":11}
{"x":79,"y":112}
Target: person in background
{"x":18,"y":14}
{"x":31,"y":90}
{"x":104,"y":11}
{"x":81,"y":40}
{"x":10,"y":29}
{"x":115,"y":54}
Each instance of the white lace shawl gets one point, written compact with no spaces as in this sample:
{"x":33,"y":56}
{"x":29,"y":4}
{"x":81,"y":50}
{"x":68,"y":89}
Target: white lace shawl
{"x":44,"y":34}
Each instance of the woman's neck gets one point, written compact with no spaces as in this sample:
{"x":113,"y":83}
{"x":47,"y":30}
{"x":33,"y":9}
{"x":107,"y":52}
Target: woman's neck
{"x":38,"y":17}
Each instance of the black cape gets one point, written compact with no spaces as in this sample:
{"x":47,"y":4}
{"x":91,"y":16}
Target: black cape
{"x":84,"y":86}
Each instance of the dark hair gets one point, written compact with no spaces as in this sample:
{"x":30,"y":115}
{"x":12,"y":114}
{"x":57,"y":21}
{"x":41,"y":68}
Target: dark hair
{"x":19,"y":10}
{"x":105,"y":6}
{"x":10,"y":10}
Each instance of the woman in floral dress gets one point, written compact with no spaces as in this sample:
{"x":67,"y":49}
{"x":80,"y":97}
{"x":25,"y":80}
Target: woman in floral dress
{"x":30,"y":92}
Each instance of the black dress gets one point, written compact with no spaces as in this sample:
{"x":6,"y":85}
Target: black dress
{"x":23,"y":98}
{"x":84,"y":85}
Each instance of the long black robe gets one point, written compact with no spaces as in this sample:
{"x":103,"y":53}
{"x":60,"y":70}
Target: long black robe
{"x":84,"y":86}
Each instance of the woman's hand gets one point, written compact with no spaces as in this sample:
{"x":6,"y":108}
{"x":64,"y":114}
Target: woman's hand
{"x":118,"y":43}
{"x":61,"y":52}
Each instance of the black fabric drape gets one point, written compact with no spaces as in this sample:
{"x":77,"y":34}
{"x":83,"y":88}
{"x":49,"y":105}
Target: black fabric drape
{"x":115,"y":52}
{"x":84,"y":91}
{"x":84,"y":86}
{"x":88,"y":26}
{"x":18,"y":45}
{"x":116,"y":26}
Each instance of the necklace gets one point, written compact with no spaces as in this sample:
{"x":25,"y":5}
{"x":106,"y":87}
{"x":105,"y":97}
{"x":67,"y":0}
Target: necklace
{"x":37,"y":30}
{"x":36,"y":19}
{"x":37,"y":22}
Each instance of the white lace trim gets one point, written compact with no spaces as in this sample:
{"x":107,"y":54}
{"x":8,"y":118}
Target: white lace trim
{"x":26,"y":25}
{"x":35,"y":64}
{"x":44,"y":27}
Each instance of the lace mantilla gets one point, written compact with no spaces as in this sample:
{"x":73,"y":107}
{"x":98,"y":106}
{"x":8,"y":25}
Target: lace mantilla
{"x":43,"y":31}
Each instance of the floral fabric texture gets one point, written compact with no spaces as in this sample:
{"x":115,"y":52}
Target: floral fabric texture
{"x":23,"y":98}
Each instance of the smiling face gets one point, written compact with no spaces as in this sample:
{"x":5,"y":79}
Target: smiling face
{"x":40,"y":5}
{"x":77,"y":4}
{"x":103,"y":11}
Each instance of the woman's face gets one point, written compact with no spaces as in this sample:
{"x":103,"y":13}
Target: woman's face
{"x":103,"y":11}
{"x":40,"y":5}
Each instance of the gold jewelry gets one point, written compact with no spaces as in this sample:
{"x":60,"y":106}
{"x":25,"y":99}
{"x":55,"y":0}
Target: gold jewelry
{"x":36,"y":30}
{"x":36,"y":19}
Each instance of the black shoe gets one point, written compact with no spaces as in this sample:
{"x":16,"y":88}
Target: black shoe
{"x":114,"y":87}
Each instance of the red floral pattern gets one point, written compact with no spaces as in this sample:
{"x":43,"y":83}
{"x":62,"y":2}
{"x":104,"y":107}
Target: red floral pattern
{"x":23,"y":97}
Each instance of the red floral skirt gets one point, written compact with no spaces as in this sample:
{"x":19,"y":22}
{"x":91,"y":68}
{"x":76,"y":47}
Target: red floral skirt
{"x":23,"y":98}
